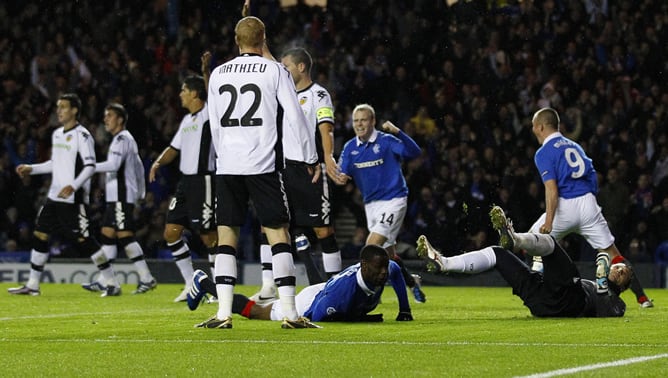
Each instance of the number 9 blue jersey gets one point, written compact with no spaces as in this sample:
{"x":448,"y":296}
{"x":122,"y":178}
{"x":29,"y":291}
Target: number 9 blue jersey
{"x":564,"y":161}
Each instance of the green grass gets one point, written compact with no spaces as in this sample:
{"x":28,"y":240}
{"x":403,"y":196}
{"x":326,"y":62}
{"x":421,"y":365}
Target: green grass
{"x":476,"y":332}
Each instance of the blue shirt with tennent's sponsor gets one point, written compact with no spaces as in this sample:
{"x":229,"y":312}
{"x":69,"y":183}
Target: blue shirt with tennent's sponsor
{"x":375,"y":166}
{"x":563,"y":160}
{"x":346,"y":297}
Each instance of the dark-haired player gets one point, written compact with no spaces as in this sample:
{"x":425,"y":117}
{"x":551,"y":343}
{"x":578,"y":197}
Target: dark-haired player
{"x":193,"y":203}
{"x":348,"y":296}
{"x":65,"y":212}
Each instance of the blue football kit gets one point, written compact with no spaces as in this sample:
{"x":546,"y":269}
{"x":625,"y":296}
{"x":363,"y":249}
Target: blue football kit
{"x":563,"y":160}
{"x":346,"y":297}
{"x":375,"y":166}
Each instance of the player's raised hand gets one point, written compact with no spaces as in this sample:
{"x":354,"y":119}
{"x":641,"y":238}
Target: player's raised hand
{"x":389,"y":127}
{"x":206,"y":63}
{"x":245,"y":10}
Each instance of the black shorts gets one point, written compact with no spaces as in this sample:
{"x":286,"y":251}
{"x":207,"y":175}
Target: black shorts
{"x":69,"y":220}
{"x":309,"y":202}
{"x":193,"y":203}
{"x":556,"y":292}
{"x":266,"y":191}
{"x":119,"y":216}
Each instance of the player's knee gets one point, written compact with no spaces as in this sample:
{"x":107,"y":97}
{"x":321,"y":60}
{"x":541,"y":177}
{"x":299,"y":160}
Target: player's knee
{"x":210,"y":239}
{"x":171,"y":234}
{"x":323,"y":232}
{"x":40,"y":244}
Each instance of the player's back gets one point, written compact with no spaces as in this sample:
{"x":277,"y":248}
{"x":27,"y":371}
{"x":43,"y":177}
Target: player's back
{"x":127,"y":183}
{"x":245,"y":114}
{"x":565,"y":161}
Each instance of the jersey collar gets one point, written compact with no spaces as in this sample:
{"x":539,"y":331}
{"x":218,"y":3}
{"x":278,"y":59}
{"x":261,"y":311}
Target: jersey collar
{"x":555,"y":134}
{"x":372,"y":138}
{"x":362,"y":284}
{"x":307,"y":87}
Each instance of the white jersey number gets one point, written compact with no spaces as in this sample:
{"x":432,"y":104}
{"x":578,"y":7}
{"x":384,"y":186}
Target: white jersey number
{"x":247,"y":119}
{"x":574,"y":160}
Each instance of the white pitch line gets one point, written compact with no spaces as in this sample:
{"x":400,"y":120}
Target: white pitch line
{"x":579,"y":369}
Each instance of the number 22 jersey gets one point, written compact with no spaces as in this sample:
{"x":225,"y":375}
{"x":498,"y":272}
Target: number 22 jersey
{"x":248,"y":97}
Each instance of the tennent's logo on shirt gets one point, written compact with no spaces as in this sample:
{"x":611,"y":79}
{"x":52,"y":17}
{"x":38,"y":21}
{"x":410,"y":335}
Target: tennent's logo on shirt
{"x":63,"y":146}
{"x":189,"y":129}
{"x":368,"y":164}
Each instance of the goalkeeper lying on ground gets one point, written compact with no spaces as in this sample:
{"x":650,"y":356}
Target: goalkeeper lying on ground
{"x":347,"y":296}
{"x":558,"y":291}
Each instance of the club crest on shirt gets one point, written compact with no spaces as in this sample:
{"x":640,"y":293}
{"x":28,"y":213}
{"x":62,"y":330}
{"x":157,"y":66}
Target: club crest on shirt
{"x":68,"y":138}
{"x":331,"y":310}
{"x":302,"y":100}
{"x":376,"y":149}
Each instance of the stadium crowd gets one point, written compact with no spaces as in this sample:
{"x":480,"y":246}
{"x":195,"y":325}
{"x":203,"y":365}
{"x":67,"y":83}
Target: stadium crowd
{"x":462,"y":80}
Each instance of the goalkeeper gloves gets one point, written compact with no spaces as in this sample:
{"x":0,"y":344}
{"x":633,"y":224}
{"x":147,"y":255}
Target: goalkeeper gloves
{"x":602,"y":270}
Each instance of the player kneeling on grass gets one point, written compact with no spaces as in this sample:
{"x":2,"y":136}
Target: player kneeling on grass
{"x":558,"y":291}
{"x":347,"y":296}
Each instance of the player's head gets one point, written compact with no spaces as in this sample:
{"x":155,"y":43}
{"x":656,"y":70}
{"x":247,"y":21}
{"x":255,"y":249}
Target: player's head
{"x":545,"y":121}
{"x":115,"y":117}
{"x":374,"y":264}
{"x":364,"y":121}
{"x":249,"y":33}
{"x":193,"y":92}
{"x":619,"y":277}
{"x":299,"y":62}
{"x":68,"y":107}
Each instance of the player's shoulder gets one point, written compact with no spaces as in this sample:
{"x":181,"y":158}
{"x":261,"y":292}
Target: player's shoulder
{"x":350,"y":144}
{"x":82,"y":132}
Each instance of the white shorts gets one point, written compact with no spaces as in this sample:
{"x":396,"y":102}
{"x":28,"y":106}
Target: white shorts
{"x":386,"y":218}
{"x":582,"y":216}
{"x":303,"y":301}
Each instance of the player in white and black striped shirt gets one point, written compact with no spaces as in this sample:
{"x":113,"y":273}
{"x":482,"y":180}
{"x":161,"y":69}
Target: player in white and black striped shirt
{"x":193,"y":203}
{"x":124,"y":186}
{"x":65,"y":212}
{"x":248,"y":97}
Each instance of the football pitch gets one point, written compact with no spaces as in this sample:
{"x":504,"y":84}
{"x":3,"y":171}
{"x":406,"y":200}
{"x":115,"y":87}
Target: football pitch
{"x":460,"y":331}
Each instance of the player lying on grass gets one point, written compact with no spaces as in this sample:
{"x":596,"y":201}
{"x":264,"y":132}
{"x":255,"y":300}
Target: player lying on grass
{"x":348,"y":296}
{"x":558,"y":291}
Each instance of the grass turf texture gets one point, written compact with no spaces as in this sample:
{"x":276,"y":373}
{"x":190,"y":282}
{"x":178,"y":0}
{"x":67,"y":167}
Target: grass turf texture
{"x":458,"y":332}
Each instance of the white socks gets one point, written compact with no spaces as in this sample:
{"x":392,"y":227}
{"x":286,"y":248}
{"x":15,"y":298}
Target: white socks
{"x":471,"y":262}
{"x":37,"y":259}
{"x":534,"y":244}
{"x":225,"y":266}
